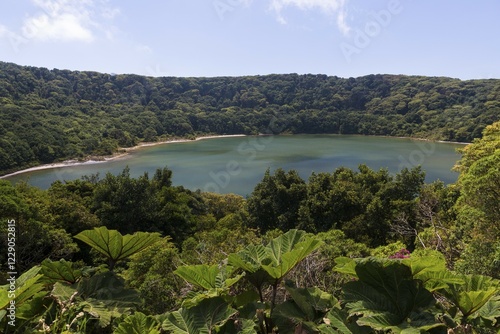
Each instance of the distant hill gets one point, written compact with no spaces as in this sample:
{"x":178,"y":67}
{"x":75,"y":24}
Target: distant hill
{"x":51,"y":115}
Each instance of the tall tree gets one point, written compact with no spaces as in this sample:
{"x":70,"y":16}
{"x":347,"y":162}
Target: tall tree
{"x":276,"y":200}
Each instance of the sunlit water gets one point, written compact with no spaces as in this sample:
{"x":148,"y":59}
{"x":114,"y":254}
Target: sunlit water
{"x":237,"y":164}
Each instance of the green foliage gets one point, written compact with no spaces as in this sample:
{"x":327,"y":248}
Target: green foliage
{"x":477,"y":207}
{"x":151,"y":272}
{"x":480,"y":148}
{"x":27,"y":302}
{"x":275,"y":201}
{"x":480,"y":257}
{"x":365,"y":204}
{"x":471,"y":295}
{"x":114,"y":245}
{"x":38,"y":234}
{"x":102,"y":296}
{"x":304,"y":312}
{"x":212,"y":243}
{"x":259,"y":265}
{"x":138,"y":323}
{"x":206,"y":317}
{"x":388,"y":250}
{"x":413,"y":294}
{"x":121,"y":201}
{"x":386,"y":297}
{"x":244,"y":291}
{"x":286,"y":251}
{"x":269,"y":264}
{"x":51,"y":115}
{"x":207,"y":277}
{"x":60,"y":271}
{"x":417,"y":293}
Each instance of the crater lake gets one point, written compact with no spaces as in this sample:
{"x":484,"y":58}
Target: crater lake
{"x":237,"y":164}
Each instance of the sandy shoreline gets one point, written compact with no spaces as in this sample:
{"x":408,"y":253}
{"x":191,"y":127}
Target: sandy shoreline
{"x":103,"y":159}
{"x":124,"y":152}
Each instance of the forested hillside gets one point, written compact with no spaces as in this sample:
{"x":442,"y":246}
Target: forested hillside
{"x":51,"y":115}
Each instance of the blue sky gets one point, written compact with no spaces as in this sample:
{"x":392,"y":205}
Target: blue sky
{"x":347,"y":38}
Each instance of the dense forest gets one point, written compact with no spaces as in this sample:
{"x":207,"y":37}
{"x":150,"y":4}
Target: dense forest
{"x":351,"y":251}
{"x":52,"y":115}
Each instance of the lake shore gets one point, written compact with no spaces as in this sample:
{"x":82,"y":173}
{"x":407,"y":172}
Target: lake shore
{"x":123,"y":152}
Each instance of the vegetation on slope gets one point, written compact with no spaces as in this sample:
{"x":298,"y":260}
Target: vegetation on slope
{"x":51,"y":115}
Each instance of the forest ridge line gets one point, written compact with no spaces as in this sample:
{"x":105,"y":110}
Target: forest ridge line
{"x":53,"y":115}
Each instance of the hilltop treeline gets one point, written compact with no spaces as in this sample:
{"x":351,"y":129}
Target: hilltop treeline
{"x":50,"y":115}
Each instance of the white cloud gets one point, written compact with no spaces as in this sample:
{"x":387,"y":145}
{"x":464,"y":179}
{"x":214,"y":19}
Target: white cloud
{"x":64,"y":27}
{"x":67,"y":20}
{"x":329,"y":7}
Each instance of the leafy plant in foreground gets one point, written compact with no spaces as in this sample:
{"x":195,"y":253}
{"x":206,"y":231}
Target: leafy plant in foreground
{"x":418,"y":294}
{"x":261,"y":266}
{"x":116,"y":246}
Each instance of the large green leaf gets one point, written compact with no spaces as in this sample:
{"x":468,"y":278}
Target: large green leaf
{"x":103,"y":296}
{"x":431,"y":270}
{"x":420,"y":265}
{"x":288,"y":316}
{"x":203,"y":318}
{"x":335,"y":322}
{"x":60,"y":271}
{"x":207,"y":276}
{"x":415,"y":324}
{"x":138,"y":323}
{"x":4,"y":298}
{"x":203,"y":276}
{"x":27,"y":285}
{"x":346,"y":266}
{"x":289,"y":259}
{"x":29,"y":294}
{"x":34,"y":307}
{"x":306,"y":310}
{"x":491,"y":310}
{"x":63,"y":292}
{"x":472,"y":301}
{"x":211,"y":278}
{"x":274,"y":261}
{"x":250,"y":258}
{"x":114,"y":245}
{"x":386,"y":295}
{"x":246,"y":326}
{"x":283,"y":244}
{"x":472,"y":294}
{"x":311,"y":300}
{"x":438,"y":280}
{"x":100,"y":311}
{"x":109,"y":289}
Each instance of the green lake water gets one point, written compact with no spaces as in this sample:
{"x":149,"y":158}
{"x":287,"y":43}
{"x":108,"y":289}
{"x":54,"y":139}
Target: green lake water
{"x":237,"y":164}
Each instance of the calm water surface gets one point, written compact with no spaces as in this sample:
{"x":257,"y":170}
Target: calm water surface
{"x":237,"y":164}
